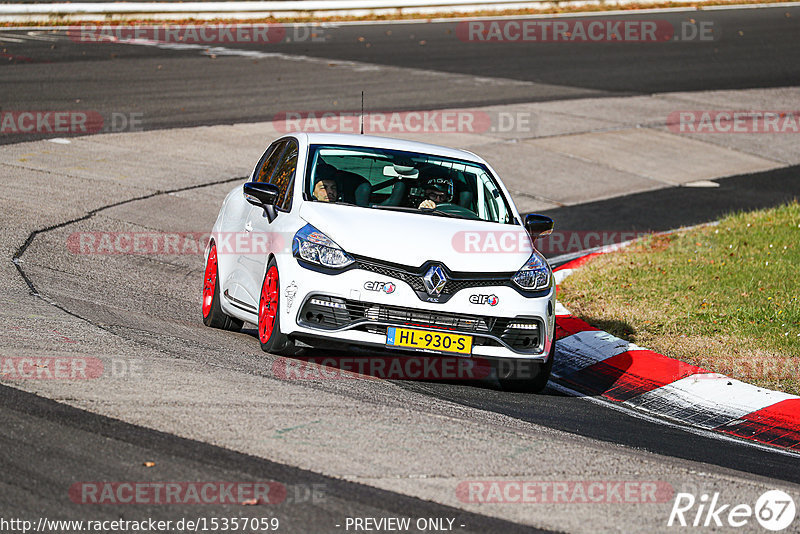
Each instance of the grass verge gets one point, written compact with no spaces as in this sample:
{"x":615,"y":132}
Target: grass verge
{"x":724,"y":296}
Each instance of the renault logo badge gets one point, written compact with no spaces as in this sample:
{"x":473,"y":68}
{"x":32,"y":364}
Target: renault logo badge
{"x":434,"y":280}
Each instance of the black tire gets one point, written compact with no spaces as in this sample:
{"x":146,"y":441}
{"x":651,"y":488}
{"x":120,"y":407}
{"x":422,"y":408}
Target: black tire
{"x":216,"y":318}
{"x":524,"y":376}
{"x":277,"y":342}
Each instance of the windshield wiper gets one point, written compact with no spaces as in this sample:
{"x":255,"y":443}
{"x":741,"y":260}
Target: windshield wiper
{"x":416,"y":210}
{"x":435,"y":211}
{"x":340,"y":203}
{"x":392,"y":208}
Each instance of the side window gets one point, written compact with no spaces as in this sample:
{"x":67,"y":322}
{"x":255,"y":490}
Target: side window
{"x":283,"y":176}
{"x":269,"y":161}
{"x":495,"y":207}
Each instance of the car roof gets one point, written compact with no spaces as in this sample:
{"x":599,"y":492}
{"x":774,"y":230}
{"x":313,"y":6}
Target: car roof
{"x":374,"y":141}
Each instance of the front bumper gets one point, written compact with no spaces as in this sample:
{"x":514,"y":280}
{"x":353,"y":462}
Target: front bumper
{"x":356,"y":306}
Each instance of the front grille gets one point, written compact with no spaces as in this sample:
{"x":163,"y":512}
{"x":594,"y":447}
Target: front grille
{"x":397,"y":314}
{"x":414,"y":279}
{"x":454,"y":286}
{"x":331,"y":313}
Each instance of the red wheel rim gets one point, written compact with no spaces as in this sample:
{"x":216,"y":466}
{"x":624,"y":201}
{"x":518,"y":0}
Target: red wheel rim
{"x":268,"y":305}
{"x":210,"y":282}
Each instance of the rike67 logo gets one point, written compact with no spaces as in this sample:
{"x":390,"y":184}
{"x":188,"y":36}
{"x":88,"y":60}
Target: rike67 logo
{"x":774,"y":510}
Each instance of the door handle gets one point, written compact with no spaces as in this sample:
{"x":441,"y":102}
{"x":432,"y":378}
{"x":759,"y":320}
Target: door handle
{"x":248,"y":227}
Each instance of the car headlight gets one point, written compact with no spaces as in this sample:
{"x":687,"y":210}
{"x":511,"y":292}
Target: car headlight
{"x":313,"y":246}
{"x":535,"y":274}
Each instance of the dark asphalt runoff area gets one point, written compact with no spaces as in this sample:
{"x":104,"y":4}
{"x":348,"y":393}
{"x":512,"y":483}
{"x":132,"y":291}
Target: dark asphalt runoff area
{"x":673,"y":207}
{"x":176,"y":87}
{"x":48,"y":445}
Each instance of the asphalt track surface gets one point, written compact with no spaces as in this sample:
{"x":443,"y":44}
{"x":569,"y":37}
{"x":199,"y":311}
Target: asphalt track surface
{"x":172,"y":87}
{"x":121,"y":77}
{"x":35,"y":473}
{"x":673,"y":207}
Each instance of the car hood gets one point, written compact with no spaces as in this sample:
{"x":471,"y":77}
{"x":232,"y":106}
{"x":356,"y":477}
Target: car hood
{"x":412,"y":239}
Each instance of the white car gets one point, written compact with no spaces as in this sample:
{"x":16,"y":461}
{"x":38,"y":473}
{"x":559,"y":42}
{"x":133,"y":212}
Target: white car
{"x":353,"y":240}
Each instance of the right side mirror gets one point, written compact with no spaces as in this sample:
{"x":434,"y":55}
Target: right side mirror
{"x":538,"y":225}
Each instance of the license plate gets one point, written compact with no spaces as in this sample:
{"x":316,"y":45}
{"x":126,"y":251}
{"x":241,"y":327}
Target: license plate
{"x":426,"y":340}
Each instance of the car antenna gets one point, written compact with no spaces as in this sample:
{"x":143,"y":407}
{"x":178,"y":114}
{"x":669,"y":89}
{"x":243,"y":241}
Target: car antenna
{"x":362,"y":112}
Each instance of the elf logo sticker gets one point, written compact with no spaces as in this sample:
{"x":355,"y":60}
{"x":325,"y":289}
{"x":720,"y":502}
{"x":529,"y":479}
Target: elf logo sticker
{"x":386,"y":287}
{"x":491,"y":300}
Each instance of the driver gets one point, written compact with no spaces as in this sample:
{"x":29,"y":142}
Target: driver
{"x":325,"y":188}
{"x":437,"y":191}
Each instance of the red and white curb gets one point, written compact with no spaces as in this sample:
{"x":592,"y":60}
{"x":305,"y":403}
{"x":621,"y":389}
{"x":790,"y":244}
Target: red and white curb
{"x":595,"y":363}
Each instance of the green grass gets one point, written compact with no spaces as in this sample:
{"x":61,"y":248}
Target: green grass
{"x":725,"y":296}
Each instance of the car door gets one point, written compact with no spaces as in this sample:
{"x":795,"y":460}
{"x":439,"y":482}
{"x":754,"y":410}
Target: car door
{"x":266,"y":236}
{"x":230,"y":246}
{"x":240,"y":283}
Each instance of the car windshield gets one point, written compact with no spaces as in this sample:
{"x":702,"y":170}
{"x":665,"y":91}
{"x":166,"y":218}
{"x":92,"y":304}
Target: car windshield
{"x":405,"y":181}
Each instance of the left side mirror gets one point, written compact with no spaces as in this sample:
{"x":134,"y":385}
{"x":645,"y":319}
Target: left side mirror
{"x":261,"y":194}
{"x":538,"y":225}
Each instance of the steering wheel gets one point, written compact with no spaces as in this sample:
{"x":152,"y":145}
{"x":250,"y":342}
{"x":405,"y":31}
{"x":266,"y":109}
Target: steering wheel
{"x":455,"y":209}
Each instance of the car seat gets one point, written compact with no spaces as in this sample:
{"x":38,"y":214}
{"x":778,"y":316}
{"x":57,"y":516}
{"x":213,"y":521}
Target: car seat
{"x":396,"y":197}
{"x":348,"y":183}
{"x":464,"y":196}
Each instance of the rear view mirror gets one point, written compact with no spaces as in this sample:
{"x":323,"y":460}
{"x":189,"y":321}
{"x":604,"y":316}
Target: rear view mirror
{"x":538,"y":225}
